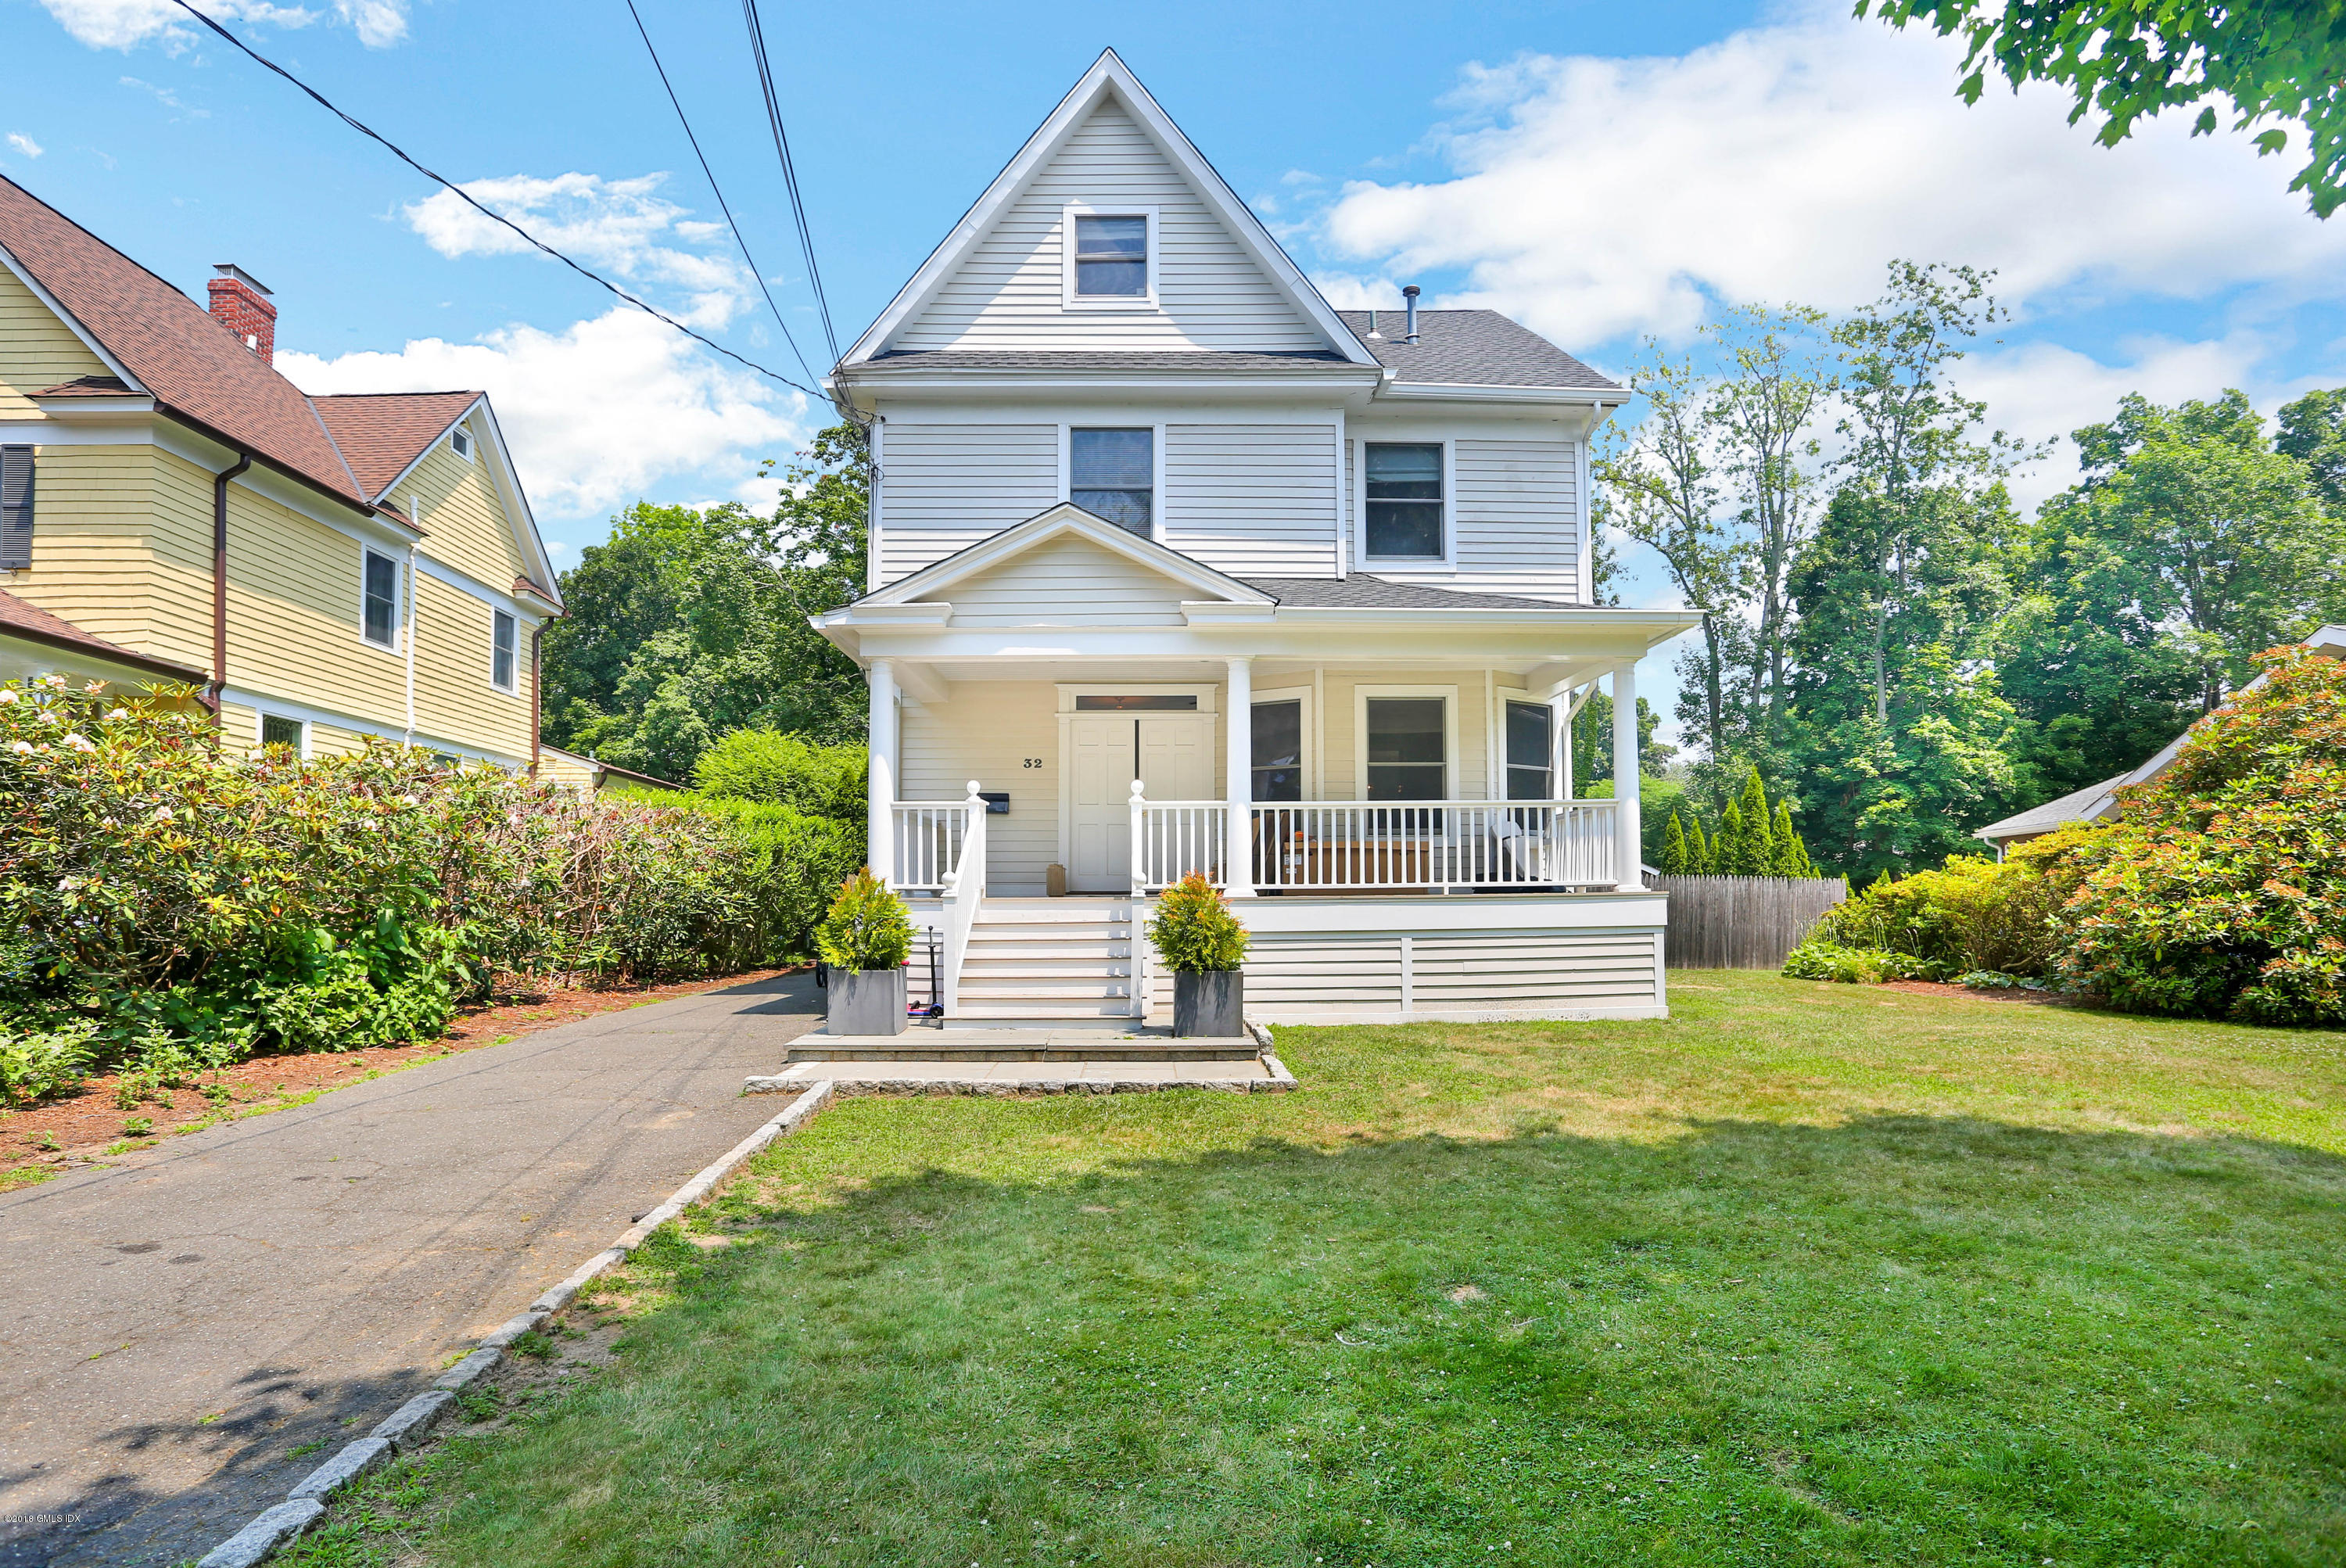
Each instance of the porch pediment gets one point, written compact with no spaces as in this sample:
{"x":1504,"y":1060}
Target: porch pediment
{"x":1063,"y":568}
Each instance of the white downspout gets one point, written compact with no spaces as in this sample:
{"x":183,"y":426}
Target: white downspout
{"x":415,"y":514}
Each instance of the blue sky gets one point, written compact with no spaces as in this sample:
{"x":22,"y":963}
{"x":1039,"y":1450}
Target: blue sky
{"x":1599,"y":172}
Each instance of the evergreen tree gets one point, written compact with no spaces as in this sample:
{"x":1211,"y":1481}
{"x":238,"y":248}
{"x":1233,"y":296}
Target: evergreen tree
{"x":1731,"y":846}
{"x":1791,"y":858}
{"x":1699,"y":849}
{"x":1673,"y":861}
{"x":1758,"y":828}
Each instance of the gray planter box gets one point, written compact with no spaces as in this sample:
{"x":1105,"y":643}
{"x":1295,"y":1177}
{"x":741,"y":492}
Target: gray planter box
{"x":1208,"y":1005}
{"x":865,"y":1001}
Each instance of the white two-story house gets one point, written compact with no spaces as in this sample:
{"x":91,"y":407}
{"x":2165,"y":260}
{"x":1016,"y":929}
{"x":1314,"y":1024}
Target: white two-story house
{"x":1174,"y":568}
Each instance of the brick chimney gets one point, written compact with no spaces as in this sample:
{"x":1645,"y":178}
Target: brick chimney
{"x":242,"y":305}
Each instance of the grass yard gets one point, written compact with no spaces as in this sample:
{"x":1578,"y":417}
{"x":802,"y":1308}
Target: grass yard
{"x":1803,"y":1275}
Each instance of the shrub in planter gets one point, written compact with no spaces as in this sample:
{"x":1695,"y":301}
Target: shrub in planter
{"x":1202,"y":943}
{"x":865,"y":938}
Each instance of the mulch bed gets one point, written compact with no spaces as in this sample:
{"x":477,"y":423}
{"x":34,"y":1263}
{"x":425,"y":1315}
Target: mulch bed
{"x":87,"y":1126}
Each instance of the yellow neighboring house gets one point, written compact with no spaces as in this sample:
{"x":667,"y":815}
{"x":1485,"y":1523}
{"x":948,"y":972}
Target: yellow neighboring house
{"x":323,"y":569}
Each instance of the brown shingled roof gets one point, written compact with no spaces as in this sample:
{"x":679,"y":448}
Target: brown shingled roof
{"x":171,"y":343}
{"x":380,"y":433}
{"x":31,"y":621}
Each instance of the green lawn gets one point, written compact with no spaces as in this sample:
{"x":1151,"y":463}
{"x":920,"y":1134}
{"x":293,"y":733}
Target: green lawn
{"x":1803,"y":1275}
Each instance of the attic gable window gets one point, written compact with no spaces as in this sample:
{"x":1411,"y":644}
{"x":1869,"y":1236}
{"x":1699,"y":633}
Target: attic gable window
{"x":460,"y":443}
{"x":1111,"y":259}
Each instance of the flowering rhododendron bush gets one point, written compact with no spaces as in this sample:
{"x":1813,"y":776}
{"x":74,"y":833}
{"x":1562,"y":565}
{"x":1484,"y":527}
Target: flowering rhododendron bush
{"x":2223,"y":891}
{"x":158,"y":894}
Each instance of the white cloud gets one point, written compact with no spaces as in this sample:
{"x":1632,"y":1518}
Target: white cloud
{"x":615,"y":224}
{"x":598,"y":415}
{"x":167,"y":97}
{"x":1595,"y":197}
{"x":24,"y":144}
{"x":127,"y":24}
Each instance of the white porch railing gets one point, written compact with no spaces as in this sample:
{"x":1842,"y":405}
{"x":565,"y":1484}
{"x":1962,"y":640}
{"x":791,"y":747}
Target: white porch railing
{"x":1350,"y":845}
{"x":929,"y":839}
{"x":1170,"y":839}
{"x":1433,"y":845}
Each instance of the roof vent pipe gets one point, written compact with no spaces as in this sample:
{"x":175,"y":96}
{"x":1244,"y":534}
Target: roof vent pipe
{"x":1409,"y":303}
{"x":1372,"y":327}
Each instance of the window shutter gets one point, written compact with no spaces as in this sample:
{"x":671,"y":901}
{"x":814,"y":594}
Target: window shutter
{"x":16,"y":507}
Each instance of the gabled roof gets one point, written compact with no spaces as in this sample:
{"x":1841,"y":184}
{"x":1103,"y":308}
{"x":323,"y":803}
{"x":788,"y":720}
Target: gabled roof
{"x":163,"y":343}
{"x":1108,"y":77}
{"x":1472,"y":348}
{"x":1060,"y":521}
{"x":24,"y":619}
{"x":382,"y":434}
{"x":2091,"y":804}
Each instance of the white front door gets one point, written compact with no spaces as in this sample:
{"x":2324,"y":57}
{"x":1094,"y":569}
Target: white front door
{"x":1171,"y":754}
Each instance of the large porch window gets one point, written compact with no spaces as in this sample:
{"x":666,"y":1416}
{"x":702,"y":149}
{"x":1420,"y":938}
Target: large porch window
{"x":1530,"y":754}
{"x":1408,"y":748}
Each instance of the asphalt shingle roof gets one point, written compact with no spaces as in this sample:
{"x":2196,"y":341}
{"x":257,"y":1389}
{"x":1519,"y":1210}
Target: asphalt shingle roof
{"x":2088,"y":805}
{"x":1363,"y":592}
{"x":203,"y":373}
{"x":1472,"y":348}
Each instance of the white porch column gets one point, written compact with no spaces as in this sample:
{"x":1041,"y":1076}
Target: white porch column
{"x":880,"y":851}
{"x":1629,"y":852}
{"x":1237,"y":790}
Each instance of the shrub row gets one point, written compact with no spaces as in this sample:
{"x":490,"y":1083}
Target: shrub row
{"x":2220,"y":892}
{"x":168,"y":907}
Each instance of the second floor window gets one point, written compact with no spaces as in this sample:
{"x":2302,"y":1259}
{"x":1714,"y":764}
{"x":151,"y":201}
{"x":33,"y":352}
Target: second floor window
{"x":1111,"y":257}
{"x":1404,"y":501}
{"x":503,"y":634}
{"x":1112,"y":473}
{"x":381,"y":621}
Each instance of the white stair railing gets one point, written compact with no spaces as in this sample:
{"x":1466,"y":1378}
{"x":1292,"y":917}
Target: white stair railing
{"x":931,"y":840}
{"x":964,"y":890}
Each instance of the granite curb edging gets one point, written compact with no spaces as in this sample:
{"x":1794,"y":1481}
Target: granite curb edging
{"x":1278,"y":1081}
{"x":407,"y":1426}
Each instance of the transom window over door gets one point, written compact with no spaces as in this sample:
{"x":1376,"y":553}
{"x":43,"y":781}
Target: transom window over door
{"x":1112,"y":473}
{"x":1530,"y":760}
{"x":1111,"y":257}
{"x":1404,"y":501}
{"x":1408,"y":748}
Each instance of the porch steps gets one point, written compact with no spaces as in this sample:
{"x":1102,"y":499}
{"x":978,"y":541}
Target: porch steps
{"x":999,"y":1044}
{"x":1059,"y":962}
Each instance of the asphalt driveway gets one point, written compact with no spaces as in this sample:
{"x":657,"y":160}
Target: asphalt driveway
{"x":173,"y":1327}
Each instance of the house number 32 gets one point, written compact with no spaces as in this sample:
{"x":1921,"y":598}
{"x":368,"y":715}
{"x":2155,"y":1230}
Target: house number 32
{"x":1031,"y":762}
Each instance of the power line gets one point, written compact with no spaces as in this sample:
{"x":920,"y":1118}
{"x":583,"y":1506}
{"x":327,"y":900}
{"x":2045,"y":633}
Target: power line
{"x":789,"y":169}
{"x":738,"y":237}
{"x":466,"y":197}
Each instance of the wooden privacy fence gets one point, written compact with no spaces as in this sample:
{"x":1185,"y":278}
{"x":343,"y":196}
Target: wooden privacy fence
{"x":1741,"y":922}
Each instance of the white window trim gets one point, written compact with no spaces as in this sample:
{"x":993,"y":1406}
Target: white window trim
{"x":260,"y":717}
{"x":399,"y":592}
{"x":1311,"y":748}
{"x":459,"y":433}
{"x":511,"y":688}
{"x":1447,"y":562}
{"x":1156,"y":461}
{"x":1071,"y":301}
{"x":1450,"y":715}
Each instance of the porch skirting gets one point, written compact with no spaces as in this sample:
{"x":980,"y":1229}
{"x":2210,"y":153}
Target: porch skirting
{"x":1453,"y":960}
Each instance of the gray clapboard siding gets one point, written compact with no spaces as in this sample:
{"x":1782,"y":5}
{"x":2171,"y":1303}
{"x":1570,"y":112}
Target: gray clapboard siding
{"x":1518,"y":516}
{"x":943,"y":487}
{"x":1009,"y":290}
{"x":1743,"y":922}
{"x":1253,"y":500}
